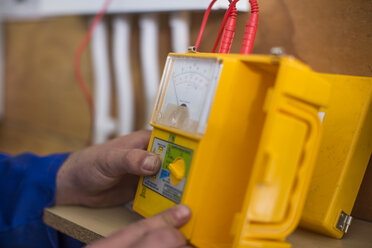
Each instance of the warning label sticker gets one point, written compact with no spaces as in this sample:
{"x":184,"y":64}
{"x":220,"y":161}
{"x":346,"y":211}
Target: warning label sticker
{"x":161,"y":182}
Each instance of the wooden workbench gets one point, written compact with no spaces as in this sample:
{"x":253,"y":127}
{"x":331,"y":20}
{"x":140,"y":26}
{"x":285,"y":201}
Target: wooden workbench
{"x":89,"y":225}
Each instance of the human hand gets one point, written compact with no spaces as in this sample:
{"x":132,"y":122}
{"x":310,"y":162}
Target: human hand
{"x":106,"y":174}
{"x":159,"y":231}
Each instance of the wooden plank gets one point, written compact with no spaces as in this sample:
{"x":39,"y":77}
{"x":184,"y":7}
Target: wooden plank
{"x":70,"y":228}
{"x":89,"y":225}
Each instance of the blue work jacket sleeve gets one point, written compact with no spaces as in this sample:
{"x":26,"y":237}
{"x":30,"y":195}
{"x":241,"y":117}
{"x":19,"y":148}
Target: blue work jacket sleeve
{"x":28,"y":185}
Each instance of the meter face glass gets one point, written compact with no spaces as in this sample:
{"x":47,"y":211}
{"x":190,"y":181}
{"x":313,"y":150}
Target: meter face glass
{"x":186,"y":93}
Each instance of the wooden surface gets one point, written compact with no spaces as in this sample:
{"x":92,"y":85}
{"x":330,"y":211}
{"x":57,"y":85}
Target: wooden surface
{"x":89,"y":225}
{"x":332,"y":36}
{"x":44,"y":108}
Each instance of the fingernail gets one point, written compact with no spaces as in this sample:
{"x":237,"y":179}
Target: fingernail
{"x":183,"y":212}
{"x":150,"y":163}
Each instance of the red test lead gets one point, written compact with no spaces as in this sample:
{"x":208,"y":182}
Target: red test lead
{"x":79,"y":52}
{"x":204,"y":22}
{"x":250,"y":29}
{"x":229,"y":31}
{"x":227,"y":14}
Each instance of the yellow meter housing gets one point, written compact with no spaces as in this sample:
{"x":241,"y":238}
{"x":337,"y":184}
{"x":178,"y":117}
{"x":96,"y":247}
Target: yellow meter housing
{"x":343,"y":156}
{"x":238,"y":137}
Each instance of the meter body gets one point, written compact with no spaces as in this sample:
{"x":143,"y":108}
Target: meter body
{"x":343,"y":157}
{"x":237,"y":136}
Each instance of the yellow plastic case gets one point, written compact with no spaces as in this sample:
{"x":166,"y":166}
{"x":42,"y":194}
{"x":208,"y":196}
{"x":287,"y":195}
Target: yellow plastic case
{"x":248,"y":174}
{"x":343,"y":156}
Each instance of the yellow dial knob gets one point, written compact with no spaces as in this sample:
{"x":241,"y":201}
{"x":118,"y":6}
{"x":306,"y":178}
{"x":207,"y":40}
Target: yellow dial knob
{"x":177,"y":170}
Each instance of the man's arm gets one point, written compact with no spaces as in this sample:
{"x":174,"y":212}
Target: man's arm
{"x":27,"y":187}
{"x":98,"y":176}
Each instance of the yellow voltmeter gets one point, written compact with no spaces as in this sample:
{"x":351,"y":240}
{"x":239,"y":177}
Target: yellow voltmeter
{"x":238,"y":136}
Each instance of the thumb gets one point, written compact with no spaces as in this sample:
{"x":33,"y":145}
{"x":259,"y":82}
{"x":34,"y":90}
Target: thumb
{"x":133,"y":161}
{"x":173,"y":217}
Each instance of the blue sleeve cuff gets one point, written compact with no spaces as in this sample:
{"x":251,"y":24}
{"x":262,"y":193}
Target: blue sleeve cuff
{"x":28,"y":186}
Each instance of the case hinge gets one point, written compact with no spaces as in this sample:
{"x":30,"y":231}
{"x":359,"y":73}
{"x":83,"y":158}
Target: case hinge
{"x":344,"y":221}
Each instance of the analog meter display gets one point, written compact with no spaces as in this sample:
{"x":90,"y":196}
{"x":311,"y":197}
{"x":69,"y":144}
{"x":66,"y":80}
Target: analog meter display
{"x":186,"y":93}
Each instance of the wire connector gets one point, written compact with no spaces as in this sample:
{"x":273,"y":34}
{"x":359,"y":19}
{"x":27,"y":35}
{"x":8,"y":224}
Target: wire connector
{"x":229,"y":31}
{"x":250,"y":29}
{"x":227,"y":14}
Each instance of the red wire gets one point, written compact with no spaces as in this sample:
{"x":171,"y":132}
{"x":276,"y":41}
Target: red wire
{"x":227,"y":14}
{"x":228,"y":32}
{"x":80,"y":51}
{"x":202,"y":27}
{"x":250,"y":29}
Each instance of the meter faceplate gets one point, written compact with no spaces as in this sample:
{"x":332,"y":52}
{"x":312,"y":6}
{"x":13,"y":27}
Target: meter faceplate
{"x":186,"y":93}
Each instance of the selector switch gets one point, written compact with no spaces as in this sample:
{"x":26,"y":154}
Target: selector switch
{"x":177,"y":170}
